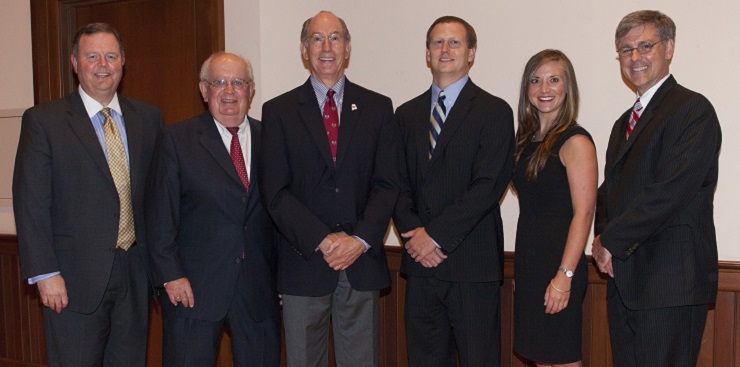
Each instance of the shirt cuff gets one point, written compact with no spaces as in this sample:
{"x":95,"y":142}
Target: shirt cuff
{"x":367,"y":247}
{"x":37,"y":278}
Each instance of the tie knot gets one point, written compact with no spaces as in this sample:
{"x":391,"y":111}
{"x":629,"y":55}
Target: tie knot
{"x":106,"y":112}
{"x":330,"y":93}
{"x":233,"y":130}
{"x":441,"y":96}
{"x":638,"y":106}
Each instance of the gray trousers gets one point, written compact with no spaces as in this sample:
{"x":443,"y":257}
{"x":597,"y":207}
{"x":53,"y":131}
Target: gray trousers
{"x":354,"y":319}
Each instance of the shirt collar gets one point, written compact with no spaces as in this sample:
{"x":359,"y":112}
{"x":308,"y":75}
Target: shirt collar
{"x":451,"y":92}
{"x":645,"y":98}
{"x":222,"y":129}
{"x":320,"y":89}
{"x":92,"y":107}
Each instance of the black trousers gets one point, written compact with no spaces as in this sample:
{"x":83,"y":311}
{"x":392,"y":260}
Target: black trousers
{"x":115,"y":334}
{"x":446,"y":320}
{"x":661,"y":337}
{"x":193,"y":342}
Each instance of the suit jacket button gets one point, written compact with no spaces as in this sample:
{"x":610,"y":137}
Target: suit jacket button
{"x":337,"y":190}
{"x":244,"y":228}
{"x":238,"y":260}
{"x":428,"y":211}
{"x":244,"y":199}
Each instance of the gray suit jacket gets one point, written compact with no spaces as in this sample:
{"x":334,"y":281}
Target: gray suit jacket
{"x":655,"y":206}
{"x":65,"y":202}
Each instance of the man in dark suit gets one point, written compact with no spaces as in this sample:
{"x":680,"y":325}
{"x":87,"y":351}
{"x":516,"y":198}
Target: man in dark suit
{"x":654,"y":222}
{"x":330,"y":181}
{"x":78,"y":197}
{"x":211,"y":240}
{"x":458,"y":156}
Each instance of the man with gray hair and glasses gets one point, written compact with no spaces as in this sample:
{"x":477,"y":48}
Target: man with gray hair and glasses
{"x":654,"y":229}
{"x":212,"y":243}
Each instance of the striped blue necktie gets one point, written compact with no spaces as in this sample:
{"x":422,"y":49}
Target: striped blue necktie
{"x":439,"y":114}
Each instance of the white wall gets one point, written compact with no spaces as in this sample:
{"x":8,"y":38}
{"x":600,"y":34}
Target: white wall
{"x":388,"y":56}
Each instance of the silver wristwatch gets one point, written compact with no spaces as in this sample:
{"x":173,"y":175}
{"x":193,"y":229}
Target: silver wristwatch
{"x":568,"y":273}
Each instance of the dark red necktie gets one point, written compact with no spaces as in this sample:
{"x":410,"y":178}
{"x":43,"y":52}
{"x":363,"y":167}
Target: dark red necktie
{"x":237,"y":157}
{"x":331,"y":122}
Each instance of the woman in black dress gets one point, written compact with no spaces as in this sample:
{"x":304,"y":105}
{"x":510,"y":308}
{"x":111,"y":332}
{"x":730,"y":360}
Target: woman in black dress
{"x":555,"y":180}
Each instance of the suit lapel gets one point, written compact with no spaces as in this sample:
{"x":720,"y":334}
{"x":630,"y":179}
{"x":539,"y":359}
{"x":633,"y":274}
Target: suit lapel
{"x":80,"y":123}
{"x":424,"y":111}
{"x":645,"y":119}
{"x":255,"y":158}
{"x":455,"y":118}
{"x":211,"y":140}
{"x":133,"y":122}
{"x":310,"y":114}
{"x":351,"y":112}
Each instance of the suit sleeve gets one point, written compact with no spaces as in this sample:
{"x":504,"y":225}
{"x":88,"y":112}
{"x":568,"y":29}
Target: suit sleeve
{"x":163,"y":211}
{"x":492,"y":172}
{"x":373,"y":223}
{"x":293,"y":219}
{"x":32,"y":199}
{"x":405,"y":216}
{"x":688,"y":148}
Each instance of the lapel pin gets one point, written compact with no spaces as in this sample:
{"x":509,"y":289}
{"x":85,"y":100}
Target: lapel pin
{"x":354,"y":107}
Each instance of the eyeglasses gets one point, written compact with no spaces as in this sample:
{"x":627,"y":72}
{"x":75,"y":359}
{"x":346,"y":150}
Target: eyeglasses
{"x":318,"y":39}
{"x":221,"y":84}
{"x":642,"y":49}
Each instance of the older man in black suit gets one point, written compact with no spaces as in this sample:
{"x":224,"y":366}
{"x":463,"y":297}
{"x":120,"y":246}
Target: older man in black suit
{"x":458,"y":157}
{"x":330,"y":181}
{"x":78,"y":197}
{"x":654,"y":222}
{"x":212,"y":242}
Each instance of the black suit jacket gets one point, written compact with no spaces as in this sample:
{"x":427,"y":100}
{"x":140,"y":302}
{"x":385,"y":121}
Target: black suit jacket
{"x":65,"y":202}
{"x":201,"y":219}
{"x":655,"y":210}
{"x":308,"y":197}
{"x":455,"y":194}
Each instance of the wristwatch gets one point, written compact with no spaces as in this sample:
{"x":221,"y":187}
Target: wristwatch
{"x":568,"y":273}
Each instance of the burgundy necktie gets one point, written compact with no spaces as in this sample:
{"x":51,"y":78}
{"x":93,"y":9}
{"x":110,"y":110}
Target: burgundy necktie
{"x":238,"y":157}
{"x":331,"y":122}
{"x":634,"y":117}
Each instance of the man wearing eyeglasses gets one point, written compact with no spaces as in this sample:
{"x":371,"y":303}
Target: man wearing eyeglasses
{"x":330,"y":181}
{"x":212,"y":244}
{"x":654,"y":229}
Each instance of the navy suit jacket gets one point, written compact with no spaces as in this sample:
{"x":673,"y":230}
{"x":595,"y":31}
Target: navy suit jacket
{"x":65,"y":202}
{"x":455,"y":194}
{"x":655,"y":206}
{"x":202,"y":219}
{"x":309,"y":197}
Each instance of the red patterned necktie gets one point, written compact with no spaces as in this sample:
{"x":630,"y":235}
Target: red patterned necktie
{"x":634,"y":117}
{"x":331,"y":122}
{"x":238,"y":157}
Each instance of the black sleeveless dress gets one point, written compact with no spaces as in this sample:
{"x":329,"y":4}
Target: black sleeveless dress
{"x":545,"y":213}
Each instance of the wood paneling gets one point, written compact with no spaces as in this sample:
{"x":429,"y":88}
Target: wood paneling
{"x":165,"y":44}
{"x":22,"y":338}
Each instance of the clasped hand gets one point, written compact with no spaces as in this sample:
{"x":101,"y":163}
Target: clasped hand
{"x":341,"y":250}
{"x":422,"y":249}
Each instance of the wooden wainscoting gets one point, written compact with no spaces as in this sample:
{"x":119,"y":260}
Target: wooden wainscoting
{"x":22,"y":339}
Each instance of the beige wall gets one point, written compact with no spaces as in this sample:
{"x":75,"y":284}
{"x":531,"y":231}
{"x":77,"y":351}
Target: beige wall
{"x":388,"y":56}
{"x":16,"y":94}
